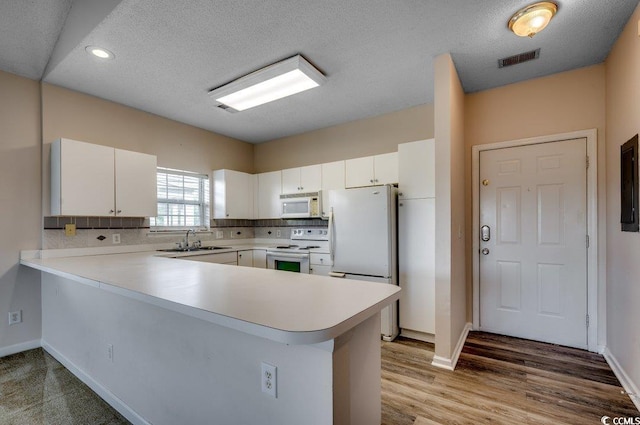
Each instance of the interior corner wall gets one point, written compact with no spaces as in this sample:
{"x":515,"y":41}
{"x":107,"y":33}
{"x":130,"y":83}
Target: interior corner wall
{"x":20,"y":227}
{"x":451,"y":316}
{"x":79,"y":116}
{"x":623,"y":267}
{"x":365,"y":137}
{"x":559,"y":103}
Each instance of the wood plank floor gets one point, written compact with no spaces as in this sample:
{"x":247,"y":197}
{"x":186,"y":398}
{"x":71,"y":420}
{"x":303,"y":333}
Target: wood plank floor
{"x":499,"y":380}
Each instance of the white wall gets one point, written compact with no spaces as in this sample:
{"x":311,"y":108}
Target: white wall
{"x":451,"y":301}
{"x":170,"y":368}
{"x":20,"y":219}
{"x":623,"y":248}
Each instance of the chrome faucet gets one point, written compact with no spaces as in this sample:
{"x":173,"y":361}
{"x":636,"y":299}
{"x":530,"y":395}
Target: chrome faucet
{"x":187,"y":237}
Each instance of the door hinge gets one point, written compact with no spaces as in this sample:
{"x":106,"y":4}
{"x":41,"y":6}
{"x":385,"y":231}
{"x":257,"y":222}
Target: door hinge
{"x":588,"y":241}
{"x":587,"y":162}
{"x":587,"y":320}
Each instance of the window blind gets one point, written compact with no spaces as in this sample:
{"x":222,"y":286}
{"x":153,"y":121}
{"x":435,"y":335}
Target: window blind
{"x":183,"y":199}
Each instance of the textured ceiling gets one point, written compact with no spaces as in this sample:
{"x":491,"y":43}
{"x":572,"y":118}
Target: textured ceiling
{"x":377,"y":54}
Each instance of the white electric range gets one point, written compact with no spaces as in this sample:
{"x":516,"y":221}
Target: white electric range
{"x":294,"y":257}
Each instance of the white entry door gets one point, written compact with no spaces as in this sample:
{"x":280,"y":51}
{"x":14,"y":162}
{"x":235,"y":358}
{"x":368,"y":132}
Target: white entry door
{"x":533,"y":263}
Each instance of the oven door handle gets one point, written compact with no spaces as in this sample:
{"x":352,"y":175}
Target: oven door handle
{"x":287,"y":255}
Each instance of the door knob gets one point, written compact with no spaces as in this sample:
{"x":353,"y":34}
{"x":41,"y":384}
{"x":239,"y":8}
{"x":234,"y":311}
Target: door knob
{"x":485,"y":251}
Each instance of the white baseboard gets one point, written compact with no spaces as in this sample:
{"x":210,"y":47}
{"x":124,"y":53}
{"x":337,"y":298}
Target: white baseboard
{"x":103,"y":392}
{"x":420,"y":336}
{"x":629,"y":386}
{"x":19,"y":348}
{"x":450,"y":364}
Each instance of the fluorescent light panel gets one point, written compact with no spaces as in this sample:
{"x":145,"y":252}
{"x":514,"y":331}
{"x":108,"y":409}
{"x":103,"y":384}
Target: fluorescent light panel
{"x":282,"y":79}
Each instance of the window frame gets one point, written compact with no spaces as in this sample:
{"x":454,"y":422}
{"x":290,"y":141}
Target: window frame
{"x":203,"y":201}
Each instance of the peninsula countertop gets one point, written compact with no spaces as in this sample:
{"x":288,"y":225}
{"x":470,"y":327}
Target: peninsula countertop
{"x":291,"y":308}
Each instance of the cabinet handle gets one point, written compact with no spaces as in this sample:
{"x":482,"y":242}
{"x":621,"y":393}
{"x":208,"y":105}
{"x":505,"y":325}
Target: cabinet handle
{"x":227,"y":215}
{"x":119,"y":211}
{"x":301,"y":187}
{"x":371,"y":181}
{"x":376,"y":180}
{"x":400,"y":204}
{"x":400,"y":194}
{"x":111,"y":211}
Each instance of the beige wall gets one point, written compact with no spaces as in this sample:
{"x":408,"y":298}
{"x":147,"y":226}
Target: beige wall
{"x":82,"y":117}
{"x":559,"y":103}
{"x":623,"y":249}
{"x":20,"y":221}
{"x":355,"y":139}
{"x":451,"y":316}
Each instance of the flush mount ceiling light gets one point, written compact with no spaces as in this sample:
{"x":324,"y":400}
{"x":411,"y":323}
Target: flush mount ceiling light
{"x":100,"y":52}
{"x":273,"y":82}
{"x":532,"y":19}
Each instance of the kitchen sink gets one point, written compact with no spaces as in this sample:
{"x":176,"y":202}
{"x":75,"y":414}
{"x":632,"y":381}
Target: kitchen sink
{"x":203,"y":248}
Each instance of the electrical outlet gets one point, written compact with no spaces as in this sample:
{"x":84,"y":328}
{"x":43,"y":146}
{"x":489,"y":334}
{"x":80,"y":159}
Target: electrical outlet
{"x":219,"y":234}
{"x":15,"y":317}
{"x":110,"y":352}
{"x":231,"y":234}
{"x":115,"y":238}
{"x":69,"y":229}
{"x":269,"y":380}
{"x":278,"y":233}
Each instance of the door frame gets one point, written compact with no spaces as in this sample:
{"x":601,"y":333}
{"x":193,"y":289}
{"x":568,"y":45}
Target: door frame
{"x":593,"y":284}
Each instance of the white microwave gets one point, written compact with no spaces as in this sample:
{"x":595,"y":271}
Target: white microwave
{"x":301,"y":205}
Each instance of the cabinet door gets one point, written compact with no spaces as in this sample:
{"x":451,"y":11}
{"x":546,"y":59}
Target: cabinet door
{"x":359,"y":172}
{"x":232,"y":194}
{"x":291,"y":180}
{"x":245,"y":258}
{"x":385,"y":168}
{"x":311,"y":178}
{"x":260,"y":258}
{"x":82,"y":179}
{"x":416,"y":169}
{"x":136,"y":184}
{"x":269,"y":186}
{"x":319,"y":270}
{"x":332,"y":178}
{"x":416,"y":261}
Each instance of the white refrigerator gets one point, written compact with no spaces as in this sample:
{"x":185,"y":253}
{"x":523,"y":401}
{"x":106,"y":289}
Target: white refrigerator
{"x":362,"y":241}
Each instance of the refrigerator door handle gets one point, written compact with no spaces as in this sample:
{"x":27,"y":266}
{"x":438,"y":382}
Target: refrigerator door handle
{"x":331,"y":234}
{"x":337,"y":274}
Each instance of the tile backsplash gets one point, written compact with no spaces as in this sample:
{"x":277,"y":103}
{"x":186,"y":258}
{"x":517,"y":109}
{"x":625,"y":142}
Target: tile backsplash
{"x":98,"y":231}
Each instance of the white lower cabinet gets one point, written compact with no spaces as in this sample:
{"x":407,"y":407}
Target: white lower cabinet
{"x":245,"y":258}
{"x":320,"y":264}
{"x":416,"y":261}
{"x":260,"y":258}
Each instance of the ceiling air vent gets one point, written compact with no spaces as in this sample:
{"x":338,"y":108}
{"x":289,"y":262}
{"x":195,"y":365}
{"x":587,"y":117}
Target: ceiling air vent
{"x":519,"y":58}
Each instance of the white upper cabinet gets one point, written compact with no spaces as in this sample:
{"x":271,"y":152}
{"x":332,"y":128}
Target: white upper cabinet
{"x":302,"y":179}
{"x":385,"y":168}
{"x":332,"y":178}
{"x":232,"y":194}
{"x":269,"y":189}
{"x":136,"y":184}
{"x":95,"y":180}
{"x":372,"y":170}
{"x":416,"y":173}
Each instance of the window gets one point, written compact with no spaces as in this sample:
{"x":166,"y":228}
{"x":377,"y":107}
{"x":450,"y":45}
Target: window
{"x":183,"y":199}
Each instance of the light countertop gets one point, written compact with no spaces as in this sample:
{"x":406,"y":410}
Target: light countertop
{"x":291,"y":308}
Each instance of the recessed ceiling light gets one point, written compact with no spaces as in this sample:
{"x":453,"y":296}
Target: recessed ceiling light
{"x":100,"y":52}
{"x":281,"y":79}
{"x":532,"y":19}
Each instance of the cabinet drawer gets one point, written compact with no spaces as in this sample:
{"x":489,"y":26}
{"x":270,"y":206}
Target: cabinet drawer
{"x":320,"y":259}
